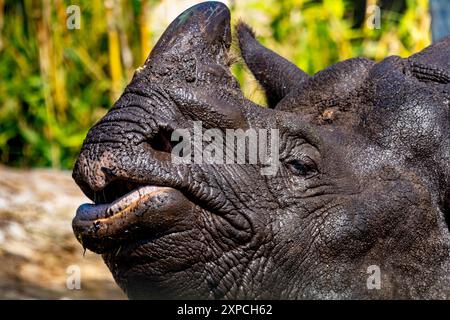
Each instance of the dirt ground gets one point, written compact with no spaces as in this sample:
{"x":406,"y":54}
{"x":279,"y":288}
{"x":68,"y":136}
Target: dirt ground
{"x":39,"y":256}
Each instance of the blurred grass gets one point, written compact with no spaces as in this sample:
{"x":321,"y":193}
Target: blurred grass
{"x":55,"y":82}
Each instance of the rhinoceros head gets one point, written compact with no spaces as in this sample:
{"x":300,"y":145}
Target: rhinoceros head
{"x":361,"y":187}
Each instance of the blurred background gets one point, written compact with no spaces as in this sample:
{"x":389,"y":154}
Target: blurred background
{"x":64,"y":63}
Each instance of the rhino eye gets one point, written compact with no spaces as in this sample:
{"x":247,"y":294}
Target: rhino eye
{"x":302,"y":168}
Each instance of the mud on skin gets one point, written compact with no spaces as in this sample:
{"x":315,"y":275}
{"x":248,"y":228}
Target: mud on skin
{"x":364,"y":175}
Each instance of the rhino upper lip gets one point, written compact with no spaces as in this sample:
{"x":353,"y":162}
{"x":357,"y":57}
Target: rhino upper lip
{"x":114,"y":190}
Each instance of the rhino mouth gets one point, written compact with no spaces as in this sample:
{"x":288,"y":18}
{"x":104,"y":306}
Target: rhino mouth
{"x":125,"y":212}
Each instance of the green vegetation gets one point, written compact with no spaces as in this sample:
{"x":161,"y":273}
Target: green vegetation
{"x":55,"y":82}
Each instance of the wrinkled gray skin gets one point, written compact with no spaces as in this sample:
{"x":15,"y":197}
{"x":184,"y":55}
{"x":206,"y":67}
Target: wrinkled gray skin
{"x":364,"y":175}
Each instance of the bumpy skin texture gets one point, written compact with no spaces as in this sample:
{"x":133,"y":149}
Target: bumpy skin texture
{"x":364,"y":175}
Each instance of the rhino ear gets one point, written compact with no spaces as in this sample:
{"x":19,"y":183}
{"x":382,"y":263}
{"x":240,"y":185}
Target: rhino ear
{"x":275,"y":74}
{"x":201,"y":31}
{"x":432,"y":64}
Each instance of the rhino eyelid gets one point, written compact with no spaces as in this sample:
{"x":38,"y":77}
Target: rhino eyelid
{"x":303,"y":167}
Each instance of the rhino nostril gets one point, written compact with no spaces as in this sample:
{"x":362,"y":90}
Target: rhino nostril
{"x":108,"y":172}
{"x":162,"y":141}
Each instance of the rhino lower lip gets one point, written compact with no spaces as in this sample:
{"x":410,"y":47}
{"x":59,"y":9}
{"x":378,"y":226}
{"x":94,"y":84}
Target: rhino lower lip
{"x":122,"y":205}
{"x":144,"y":212}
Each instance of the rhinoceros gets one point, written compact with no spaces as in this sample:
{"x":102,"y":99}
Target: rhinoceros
{"x":358,"y":207}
